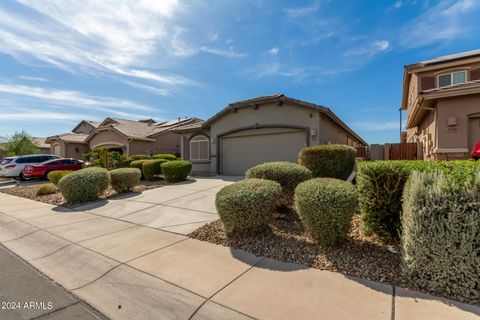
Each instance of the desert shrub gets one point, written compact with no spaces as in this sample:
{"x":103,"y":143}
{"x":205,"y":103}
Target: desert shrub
{"x":440,"y":237}
{"x":139,"y":165}
{"x":125,"y":179}
{"x":84,"y":185}
{"x":152,"y":168}
{"x":247,"y":206}
{"x":329,"y":160}
{"x":47,"y":188}
{"x":381,"y":183}
{"x":288,"y":174}
{"x":326,"y":207}
{"x":139,"y":157}
{"x":165,"y":156}
{"x":55,"y":176}
{"x":177,"y":170}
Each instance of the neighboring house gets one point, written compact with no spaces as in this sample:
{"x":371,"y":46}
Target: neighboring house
{"x":43,"y":147}
{"x":263,"y":129}
{"x":126,"y":136}
{"x":442,"y":99}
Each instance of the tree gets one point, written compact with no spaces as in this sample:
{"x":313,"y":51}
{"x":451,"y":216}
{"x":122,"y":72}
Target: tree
{"x":20,"y":143}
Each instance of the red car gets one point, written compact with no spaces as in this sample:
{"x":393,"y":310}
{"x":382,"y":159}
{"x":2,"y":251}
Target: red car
{"x":42,"y":169}
{"x":476,"y":151}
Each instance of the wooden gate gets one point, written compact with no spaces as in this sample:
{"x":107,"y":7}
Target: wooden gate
{"x":402,"y":151}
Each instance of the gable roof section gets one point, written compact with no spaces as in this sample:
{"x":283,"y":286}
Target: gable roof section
{"x":40,"y":142}
{"x":279,"y":98}
{"x":444,"y":59}
{"x":92,"y":124}
{"x":68,"y":137}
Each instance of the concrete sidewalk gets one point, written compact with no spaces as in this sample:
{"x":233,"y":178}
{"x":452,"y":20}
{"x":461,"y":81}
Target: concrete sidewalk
{"x":130,"y":259}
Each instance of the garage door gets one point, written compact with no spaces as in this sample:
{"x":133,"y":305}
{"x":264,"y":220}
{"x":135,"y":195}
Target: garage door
{"x":243,"y":150}
{"x":474,"y":132}
{"x":56,"y":150}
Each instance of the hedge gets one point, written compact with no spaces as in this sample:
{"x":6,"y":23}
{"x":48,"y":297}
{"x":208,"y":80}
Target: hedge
{"x":326,"y":207}
{"x":166,"y":156}
{"x":381,"y":183}
{"x":46,"y":189}
{"x":139,"y":165}
{"x":55,"y":176}
{"x":247,"y":206}
{"x":329,"y":160}
{"x":441,"y":234}
{"x":152,"y":168}
{"x":84,"y":185}
{"x":125,"y":179}
{"x":175,"y":171}
{"x":288,"y":174}
{"x":139,"y":157}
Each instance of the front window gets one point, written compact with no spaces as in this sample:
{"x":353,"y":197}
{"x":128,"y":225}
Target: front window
{"x":449,"y":79}
{"x":199,"y":148}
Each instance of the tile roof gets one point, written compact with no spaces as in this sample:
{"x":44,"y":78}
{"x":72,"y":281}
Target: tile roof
{"x":69,"y":137}
{"x":95,"y":124}
{"x":40,"y":142}
{"x":443,"y":59}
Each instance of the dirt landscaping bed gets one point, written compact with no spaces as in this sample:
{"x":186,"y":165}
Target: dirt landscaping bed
{"x":30,"y":192}
{"x":286,"y":240}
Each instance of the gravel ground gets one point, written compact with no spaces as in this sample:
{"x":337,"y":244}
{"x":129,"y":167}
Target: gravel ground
{"x":30,"y":192}
{"x":286,"y":240}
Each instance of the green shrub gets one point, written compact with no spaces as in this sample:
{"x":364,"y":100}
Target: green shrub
{"x":139,"y":157}
{"x":441,"y":234}
{"x":152,"y":168}
{"x":248,"y":205}
{"x":177,"y":170}
{"x":84,"y":185}
{"x":288,"y":174}
{"x":139,"y":165}
{"x":329,"y":160}
{"x":55,"y":176}
{"x":381,"y":183}
{"x":165,"y":156}
{"x":326,"y":207}
{"x":45,"y":189}
{"x":125,"y":179}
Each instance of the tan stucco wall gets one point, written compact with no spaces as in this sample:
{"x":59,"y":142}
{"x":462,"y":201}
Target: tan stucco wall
{"x":76,"y":150}
{"x":425,"y":133}
{"x":109,"y":138}
{"x":164,"y":143}
{"x":413,"y":89}
{"x":326,"y":130}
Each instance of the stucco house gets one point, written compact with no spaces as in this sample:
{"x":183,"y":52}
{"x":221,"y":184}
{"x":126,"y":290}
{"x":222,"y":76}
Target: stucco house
{"x":442,"y":99}
{"x":126,"y":136}
{"x":263,"y":129}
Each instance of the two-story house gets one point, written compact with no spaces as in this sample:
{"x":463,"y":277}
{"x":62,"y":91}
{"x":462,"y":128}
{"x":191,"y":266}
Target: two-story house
{"x":442,"y":99}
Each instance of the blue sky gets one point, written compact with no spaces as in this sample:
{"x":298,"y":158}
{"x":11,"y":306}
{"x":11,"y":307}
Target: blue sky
{"x":62,"y":61}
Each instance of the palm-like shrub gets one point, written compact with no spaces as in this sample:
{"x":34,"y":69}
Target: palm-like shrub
{"x":125,"y":179}
{"x":175,"y":171}
{"x":248,"y":205}
{"x":329,"y":160}
{"x":326,"y":207}
{"x":84,"y":185}
{"x":152,"y":168}
{"x":288,"y":174}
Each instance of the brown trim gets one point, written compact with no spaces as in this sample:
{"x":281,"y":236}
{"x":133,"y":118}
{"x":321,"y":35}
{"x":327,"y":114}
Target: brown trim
{"x":256,"y":126}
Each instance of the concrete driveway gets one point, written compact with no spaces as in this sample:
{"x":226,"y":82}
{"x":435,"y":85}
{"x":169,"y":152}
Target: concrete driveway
{"x":130,"y":259}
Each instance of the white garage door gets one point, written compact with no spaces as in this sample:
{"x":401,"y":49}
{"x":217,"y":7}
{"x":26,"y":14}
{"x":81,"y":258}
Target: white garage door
{"x":56,"y":150}
{"x":243,"y":150}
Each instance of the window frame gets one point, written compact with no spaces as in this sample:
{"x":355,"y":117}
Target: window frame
{"x":451,"y":78}
{"x":205,"y":139}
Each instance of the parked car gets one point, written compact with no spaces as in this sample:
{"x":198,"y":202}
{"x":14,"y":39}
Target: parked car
{"x":476,"y":151}
{"x":12,"y":167}
{"x":41,"y":170}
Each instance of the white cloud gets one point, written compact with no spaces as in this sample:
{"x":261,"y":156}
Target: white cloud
{"x":147,"y":88}
{"x":442,"y":22}
{"x":302,"y":11}
{"x":40,"y":115}
{"x":229,"y":53}
{"x":74,"y":98}
{"x":39,"y":79}
{"x":377,"y":126}
{"x":274,"y":51}
{"x":275,"y":69}
{"x":369,"y":50}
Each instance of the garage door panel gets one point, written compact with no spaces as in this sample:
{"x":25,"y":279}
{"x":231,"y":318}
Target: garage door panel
{"x":241,"y":152}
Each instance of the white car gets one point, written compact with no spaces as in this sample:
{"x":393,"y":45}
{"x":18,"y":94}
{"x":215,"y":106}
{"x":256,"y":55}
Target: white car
{"x":12,"y":167}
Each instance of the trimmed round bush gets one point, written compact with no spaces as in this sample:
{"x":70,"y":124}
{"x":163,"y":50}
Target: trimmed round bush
{"x":55,"y":176}
{"x":247,"y":206}
{"x":84,"y":185}
{"x":139,"y":165}
{"x":125,"y":179}
{"x":175,"y":171}
{"x":326,"y":207}
{"x":329,"y":160}
{"x":288,"y":174}
{"x":440,"y":233}
{"x":152,"y":168}
{"x":46,"y":189}
{"x":139,"y":157}
{"x":166,"y":156}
